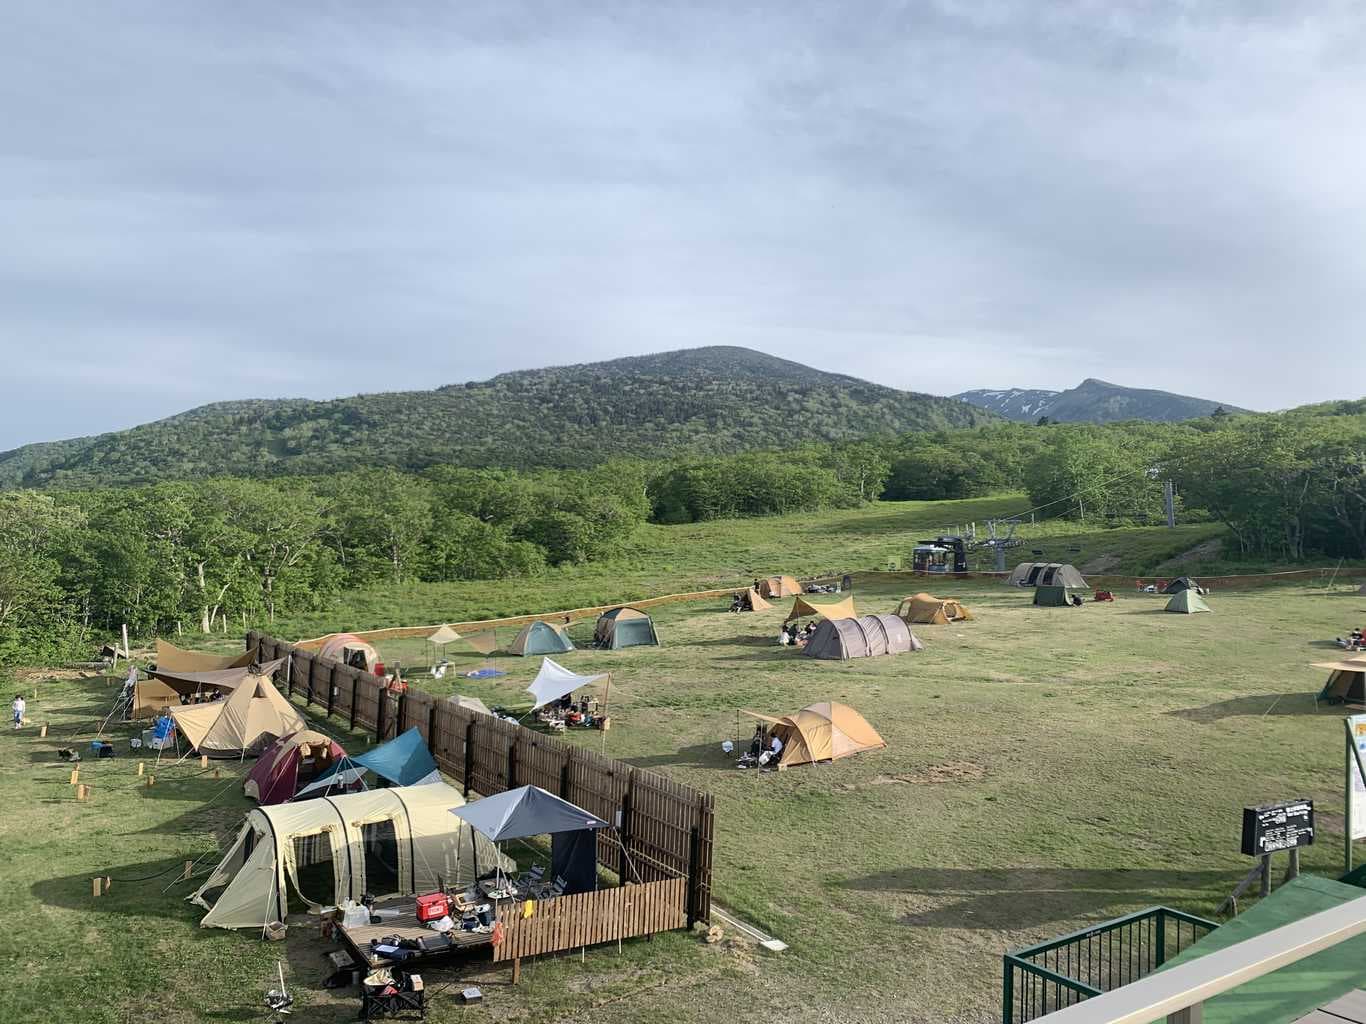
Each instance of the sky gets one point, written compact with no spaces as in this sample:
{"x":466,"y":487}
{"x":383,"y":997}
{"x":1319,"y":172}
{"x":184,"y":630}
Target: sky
{"x":204,"y":200}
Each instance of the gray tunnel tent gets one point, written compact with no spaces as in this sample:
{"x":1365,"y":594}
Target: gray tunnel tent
{"x":864,"y":637}
{"x":624,"y":627}
{"x":1046,"y":574}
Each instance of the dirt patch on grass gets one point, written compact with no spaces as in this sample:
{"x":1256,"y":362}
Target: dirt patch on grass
{"x":1208,"y":550}
{"x":1100,"y":565}
{"x":935,"y":774}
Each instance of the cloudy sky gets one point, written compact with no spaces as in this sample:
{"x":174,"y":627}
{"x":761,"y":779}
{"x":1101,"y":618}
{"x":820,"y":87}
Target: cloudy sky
{"x":206,"y":200}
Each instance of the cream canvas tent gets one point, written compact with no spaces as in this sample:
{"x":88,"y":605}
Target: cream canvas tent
{"x":821,"y":732}
{"x":924,"y":609}
{"x":865,"y":637}
{"x":1046,"y":574}
{"x":803,"y":609}
{"x":242,"y":725}
{"x":321,"y":852}
{"x":1346,"y":681}
{"x":348,"y":649}
{"x":171,"y":658}
{"x":779,"y":586}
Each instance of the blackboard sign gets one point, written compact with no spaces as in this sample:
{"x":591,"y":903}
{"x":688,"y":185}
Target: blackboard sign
{"x":1283,"y":826}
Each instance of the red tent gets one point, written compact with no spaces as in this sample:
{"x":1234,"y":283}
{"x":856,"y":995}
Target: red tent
{"x":289,"y":764}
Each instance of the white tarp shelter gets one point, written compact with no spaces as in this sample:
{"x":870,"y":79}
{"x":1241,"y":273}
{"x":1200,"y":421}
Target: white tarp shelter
{"x":319,"y":853}
{"x":555,"y":681}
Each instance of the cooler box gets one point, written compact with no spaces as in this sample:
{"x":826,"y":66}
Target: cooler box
{"x":433,"y":906}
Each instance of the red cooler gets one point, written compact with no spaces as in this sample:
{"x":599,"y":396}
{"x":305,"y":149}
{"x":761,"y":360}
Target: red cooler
{"x":433,"y":907}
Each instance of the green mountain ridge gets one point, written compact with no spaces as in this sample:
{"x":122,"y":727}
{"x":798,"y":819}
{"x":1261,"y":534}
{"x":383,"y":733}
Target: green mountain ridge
{"x":711,"y":400}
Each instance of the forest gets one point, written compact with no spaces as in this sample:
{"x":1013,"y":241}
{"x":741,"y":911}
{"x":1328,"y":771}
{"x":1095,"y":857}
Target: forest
{"x":202,"y":555}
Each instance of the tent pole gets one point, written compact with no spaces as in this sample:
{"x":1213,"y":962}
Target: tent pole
{"x":606,"y":703}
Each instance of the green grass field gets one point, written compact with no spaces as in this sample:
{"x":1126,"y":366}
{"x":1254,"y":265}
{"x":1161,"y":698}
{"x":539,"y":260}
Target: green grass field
{"x":1045,"y":768}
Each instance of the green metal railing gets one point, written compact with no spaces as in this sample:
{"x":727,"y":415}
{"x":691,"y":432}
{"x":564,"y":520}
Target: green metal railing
{"x":1040,"y":979}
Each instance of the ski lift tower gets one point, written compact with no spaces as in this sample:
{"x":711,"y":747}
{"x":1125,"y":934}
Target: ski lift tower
{"x":999,"y":544}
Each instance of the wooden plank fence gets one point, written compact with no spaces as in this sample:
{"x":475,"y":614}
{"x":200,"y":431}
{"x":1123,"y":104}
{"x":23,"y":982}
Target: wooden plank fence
{"x":664,"y":830}
{"x":591,"y":918}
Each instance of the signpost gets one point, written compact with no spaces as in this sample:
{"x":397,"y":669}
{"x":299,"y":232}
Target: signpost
{"x":1355,"y":783}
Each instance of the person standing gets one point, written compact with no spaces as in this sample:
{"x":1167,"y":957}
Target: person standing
{"x":18,"y":707}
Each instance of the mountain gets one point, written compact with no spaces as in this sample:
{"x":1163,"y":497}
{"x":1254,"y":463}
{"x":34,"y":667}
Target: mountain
{"x":696,"y":401}
{"x":1091,"y":401}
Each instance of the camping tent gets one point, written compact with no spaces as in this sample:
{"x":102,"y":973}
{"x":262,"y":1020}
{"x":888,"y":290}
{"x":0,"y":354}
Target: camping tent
{"x":554,"y":681}
{"x":348,"y":649}
{"x":402,"y":761}
{"x":383,"y":842}
{"x":243,"y":724}
{"x":289,"y":764}
{"x":779,"y":586}
{"x":864,"y":637}
{"x":750,"y":600}
{"x":1056,"y":597}
{"x":1046,"y":574}
{"x":1188,"y":602}
{"x":166,"y":689}
{"x":469,"y":703}
{"x":1346,"y":681}
{"x":540,"y":638}
{"x":821,"y":732}
{"x":803,"y":609}
{"x":437,"y":642}
{"x":171,"y":658}
{"x":922,"y":608}
{"x":624,"y":627}
{"x":1179,"y":584}
{"x":531,"y":811}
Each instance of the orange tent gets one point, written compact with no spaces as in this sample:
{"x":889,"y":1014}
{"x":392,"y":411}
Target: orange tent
{"x":821,"y":732}
{"x":779,"y":586}
{"x":923,"y":608}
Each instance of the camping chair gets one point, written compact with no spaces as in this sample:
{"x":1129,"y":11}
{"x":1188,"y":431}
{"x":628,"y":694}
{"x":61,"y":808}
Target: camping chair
{"x":532,"y":879}
{"x":558,"y":886}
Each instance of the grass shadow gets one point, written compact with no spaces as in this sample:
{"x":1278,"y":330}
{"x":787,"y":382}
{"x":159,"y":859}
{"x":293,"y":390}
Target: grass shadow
{"x":1021,"y":898}
{"x":699,"y":755}
{"x":136,"y":890}
{"x":1275,"y":705}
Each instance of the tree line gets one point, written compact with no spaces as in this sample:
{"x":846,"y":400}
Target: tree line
{"x":205,"y":555}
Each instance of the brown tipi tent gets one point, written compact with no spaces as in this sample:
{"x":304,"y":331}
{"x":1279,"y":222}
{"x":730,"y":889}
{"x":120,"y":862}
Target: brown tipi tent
{"x":749,"y":600}
{"x":244,"y":724}
{"x":821,"y":732}
{"x":1346,"y":681}
{"x":779,"y":586}
{"x":925,"y":609}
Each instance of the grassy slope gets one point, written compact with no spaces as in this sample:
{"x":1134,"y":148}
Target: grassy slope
{"x":1045,"y":767}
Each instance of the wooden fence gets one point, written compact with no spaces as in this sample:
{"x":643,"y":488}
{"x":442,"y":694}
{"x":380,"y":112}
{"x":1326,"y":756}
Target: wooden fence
{"x":664,"y":830}
{"x":591,"y":918}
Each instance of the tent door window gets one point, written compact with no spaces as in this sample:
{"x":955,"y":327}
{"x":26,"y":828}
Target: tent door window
{"x":379,"y":841}
{"x":314,"y":872}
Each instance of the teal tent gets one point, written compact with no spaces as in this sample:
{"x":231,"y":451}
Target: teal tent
{"x":540,"y":638}
{"x":624,"y":627}
{"x":403,"y":761}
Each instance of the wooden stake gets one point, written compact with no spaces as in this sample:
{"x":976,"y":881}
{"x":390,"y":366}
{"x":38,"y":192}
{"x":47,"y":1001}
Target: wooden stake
{"x":75,"y":775}
{"x":516,"y":969}
{"x":42,"y":732}
{"x":151,"y":781}
{"x":215,"y":773}
{"x":95,"y":885}
{"x":82,"y":791}
{"x":203,"y":760}
{"x":189,"y":867}
{"x":142,"y":766}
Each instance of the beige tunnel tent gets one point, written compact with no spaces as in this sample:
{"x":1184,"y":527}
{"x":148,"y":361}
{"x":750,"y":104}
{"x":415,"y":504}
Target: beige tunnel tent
{"x":348,"y":649}
{"x":244,"y":723}
{"x":1046,"y":574}
{"x":868,"y":636}
{"x":319,"y":853}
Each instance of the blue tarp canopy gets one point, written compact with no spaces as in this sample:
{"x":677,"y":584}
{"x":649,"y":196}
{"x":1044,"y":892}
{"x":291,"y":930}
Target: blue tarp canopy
{"x":403,"y":761}
{"x":523,"y":812}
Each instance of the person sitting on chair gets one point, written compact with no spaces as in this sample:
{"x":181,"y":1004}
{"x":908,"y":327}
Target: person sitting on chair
{"x":756,"y":742}
{"x":791,"y":632}
{"x":774,"y":752}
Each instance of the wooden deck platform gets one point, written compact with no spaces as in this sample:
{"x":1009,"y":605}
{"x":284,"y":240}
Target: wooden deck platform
{"x":406,"y":926}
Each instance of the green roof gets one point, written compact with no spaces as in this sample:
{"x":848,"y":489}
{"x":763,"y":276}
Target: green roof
{"x":1289,"y":993}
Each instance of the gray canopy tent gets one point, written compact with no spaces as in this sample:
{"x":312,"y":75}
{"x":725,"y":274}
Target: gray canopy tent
{"x":1046,"y":574}
{"x":531,"y":811}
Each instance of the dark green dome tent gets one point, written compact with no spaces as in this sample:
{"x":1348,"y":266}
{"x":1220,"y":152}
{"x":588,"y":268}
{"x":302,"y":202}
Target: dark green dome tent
{"x":624,"y":627}
{"x":1057,"y":597}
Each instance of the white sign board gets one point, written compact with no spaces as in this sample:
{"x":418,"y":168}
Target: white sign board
{"x":1356,"y":734}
